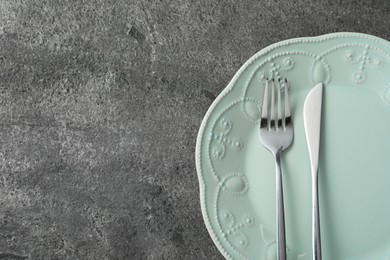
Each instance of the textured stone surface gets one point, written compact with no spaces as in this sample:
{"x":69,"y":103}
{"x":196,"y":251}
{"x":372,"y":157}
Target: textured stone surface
{"x":100,"y":104}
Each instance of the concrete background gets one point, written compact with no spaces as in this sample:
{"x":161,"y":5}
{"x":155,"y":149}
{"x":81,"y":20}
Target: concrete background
{"x":100,"y":104}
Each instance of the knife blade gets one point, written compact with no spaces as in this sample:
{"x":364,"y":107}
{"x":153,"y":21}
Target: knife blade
{"x":312,"y":122}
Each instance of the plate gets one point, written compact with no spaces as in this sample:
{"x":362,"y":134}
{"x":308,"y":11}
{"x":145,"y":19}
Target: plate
{"x":237,"y":175}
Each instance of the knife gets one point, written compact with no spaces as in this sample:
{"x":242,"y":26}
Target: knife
{"x":312,"y":122}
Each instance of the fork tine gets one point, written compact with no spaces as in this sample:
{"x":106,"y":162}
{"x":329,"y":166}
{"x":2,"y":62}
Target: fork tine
{"x":287,"y":113}
{"x":273,"y":104}
{"x":264,"y":110}
{"x":279,"y":118}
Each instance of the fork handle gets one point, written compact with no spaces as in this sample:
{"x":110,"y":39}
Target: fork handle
{"x":280,"y":227}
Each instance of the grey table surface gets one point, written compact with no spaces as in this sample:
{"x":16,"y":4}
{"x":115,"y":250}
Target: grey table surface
{"x":100,"y":105}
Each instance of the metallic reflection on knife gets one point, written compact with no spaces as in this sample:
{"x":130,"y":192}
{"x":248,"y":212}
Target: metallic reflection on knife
{"x":312,"y":122}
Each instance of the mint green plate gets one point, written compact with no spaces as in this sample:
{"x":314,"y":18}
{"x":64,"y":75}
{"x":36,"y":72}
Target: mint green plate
{"x":237,"y":176}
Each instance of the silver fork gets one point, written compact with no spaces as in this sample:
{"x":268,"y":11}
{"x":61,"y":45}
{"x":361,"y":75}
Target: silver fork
{"x":276,"y":135}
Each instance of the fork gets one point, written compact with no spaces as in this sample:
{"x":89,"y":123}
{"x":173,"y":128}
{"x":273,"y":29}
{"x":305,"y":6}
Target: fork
{"x":276,"y":135}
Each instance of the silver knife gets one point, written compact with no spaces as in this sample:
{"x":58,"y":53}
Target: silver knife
{"x":312,"y":122}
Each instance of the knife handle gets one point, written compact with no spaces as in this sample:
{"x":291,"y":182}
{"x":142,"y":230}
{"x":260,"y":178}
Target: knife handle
{"x":316,"y":234}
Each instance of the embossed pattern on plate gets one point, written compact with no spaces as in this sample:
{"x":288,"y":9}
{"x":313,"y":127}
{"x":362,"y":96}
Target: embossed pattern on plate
{"x":236,"y":173}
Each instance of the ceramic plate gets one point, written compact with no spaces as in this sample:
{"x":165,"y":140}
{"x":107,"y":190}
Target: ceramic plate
{"x":237,"y":175}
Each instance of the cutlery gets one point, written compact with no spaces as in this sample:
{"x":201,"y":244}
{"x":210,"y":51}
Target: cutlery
{"x":276,"y":135}
{"x":312,"y":123}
